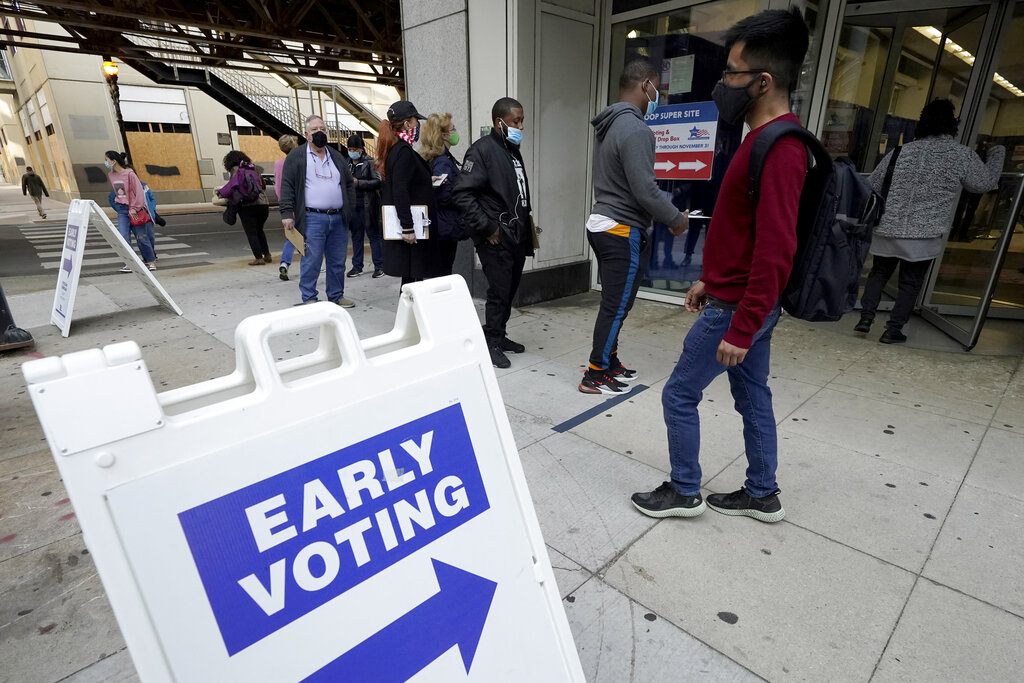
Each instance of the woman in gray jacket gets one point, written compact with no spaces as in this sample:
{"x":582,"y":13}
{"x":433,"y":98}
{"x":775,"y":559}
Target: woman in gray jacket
{"x":926,"y":182}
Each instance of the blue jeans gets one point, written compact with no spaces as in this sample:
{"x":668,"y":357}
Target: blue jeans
{"x":125,"y":227}
{"x":361,"y":225}
{"x":287,"y":253}
{"x":326,"y":237}
{"x":696,"y":368}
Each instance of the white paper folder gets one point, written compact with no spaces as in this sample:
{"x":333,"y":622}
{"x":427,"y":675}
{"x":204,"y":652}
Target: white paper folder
{"x":393,"y":229}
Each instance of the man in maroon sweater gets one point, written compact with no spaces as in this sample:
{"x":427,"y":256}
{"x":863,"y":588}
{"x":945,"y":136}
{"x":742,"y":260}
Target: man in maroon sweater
{"x":748,"y":256}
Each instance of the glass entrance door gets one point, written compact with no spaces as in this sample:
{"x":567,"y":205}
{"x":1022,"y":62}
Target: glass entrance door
{"x":981,"y":272}
{"x":891,"y":60}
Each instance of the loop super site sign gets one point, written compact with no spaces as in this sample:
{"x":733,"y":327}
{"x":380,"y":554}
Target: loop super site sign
{"x":684,"y":137}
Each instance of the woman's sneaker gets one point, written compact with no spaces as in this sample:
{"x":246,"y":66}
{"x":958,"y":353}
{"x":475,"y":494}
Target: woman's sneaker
{"x":665,"y":501}
{"x":601,"y":382}
{"x":766,"y":509}
{"x":620,"y":372}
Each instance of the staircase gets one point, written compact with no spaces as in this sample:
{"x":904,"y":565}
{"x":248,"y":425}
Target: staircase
{"x":273,"y":114}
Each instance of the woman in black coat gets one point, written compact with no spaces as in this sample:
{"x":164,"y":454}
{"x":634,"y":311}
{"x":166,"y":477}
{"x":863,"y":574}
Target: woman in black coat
{"x":407,"y":183}
{"x":439,"y":134}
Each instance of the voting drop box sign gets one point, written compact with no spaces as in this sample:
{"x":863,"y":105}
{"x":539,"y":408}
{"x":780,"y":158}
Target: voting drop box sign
{"x":358,"y":513}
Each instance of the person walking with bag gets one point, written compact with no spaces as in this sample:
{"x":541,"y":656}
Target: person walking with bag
{"x":439,"y":134}
{"x":130,"y":204}
{"x":926,"y":177}
{"x":366,"y":218}
{"x":245,"y":195}
{"x":33,"y":185}
{"x":407,"y":184}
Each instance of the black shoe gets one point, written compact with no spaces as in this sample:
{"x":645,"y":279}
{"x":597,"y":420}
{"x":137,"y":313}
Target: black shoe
{"x":498,"y":358}
{"x":282,"y":272}
{"x":507,"y":344}
{"x":600,"y":382}
{"x":377,"y":272}
{"x":864,"y":326}
{"x":767,"y":509}
{"x":665,"y":501}
{"x":355,"y":272}
{"x":892,"y":335}
{"x":620,"y":372}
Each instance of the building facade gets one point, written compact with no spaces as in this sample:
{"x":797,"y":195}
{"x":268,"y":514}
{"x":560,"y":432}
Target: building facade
{"x":57,"y":115}
{"x":871,"y":67}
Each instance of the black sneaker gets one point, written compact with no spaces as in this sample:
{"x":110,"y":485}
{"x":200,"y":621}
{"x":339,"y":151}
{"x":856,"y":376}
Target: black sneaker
{"x":620,"y":372}
{"x":665,"y":501}
{"x":767,"y":509}
{"x":600,"y":382}
{"x":498,"y":358}
{"x":282,"y":272}
{"x":892,"y":335}
{"x":864,"y":326}
{"x":377,"y":272}
{"x":355,"y":272}
{"x":507,"y":344}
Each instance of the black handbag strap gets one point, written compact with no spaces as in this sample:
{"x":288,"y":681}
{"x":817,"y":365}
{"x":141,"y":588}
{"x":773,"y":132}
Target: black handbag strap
{"x":888,"y":172}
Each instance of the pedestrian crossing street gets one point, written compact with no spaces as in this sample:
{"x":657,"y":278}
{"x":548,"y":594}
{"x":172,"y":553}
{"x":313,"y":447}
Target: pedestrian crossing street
{"x":99,"y":257}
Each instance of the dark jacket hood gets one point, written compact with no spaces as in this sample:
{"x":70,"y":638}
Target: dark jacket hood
{"x":603,"y":121}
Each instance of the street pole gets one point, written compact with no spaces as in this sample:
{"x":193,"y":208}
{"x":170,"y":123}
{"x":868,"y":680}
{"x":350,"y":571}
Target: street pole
{"x":110,"y":73}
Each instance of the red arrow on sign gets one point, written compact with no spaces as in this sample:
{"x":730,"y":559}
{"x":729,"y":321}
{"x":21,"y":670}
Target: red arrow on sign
{"x":683,"y":165}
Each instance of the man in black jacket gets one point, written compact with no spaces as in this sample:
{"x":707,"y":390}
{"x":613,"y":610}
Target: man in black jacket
{"x":366,"y":218}
{"x":493,"y":195}
{"x":32,"y":184}
{"x":317,"y":198}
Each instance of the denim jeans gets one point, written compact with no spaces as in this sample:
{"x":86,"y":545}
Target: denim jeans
{"x":696,"y":368}
{"x":326,"y":238}
{"x":287,"y":253}
{"x":363,"y":224}
{"x":125,"y":227}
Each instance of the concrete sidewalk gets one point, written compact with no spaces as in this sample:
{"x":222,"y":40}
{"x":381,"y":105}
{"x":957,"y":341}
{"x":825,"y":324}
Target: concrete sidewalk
{"x":901,"y":472}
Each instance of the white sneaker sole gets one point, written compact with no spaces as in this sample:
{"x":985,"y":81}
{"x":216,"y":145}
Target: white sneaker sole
{"x":674,"y":512}
{"x":766,"y":517}
{"x":605,"y":390}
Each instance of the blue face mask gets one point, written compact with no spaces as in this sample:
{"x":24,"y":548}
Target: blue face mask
{"x":652,"y":105}
{"x":513,"y":135}
{"x":355,"y":156}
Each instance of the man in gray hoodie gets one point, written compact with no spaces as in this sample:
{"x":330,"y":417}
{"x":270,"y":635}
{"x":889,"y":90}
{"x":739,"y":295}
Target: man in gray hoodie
{"x":627,"y":197}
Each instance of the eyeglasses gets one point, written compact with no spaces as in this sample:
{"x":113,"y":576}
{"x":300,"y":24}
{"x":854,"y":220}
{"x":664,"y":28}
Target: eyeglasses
{"x":730,"y":72}
{"x":321,"y":169}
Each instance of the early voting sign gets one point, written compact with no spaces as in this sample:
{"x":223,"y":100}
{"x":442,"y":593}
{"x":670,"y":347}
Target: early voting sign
{"x":358,"y":513}
{"x":79,"y":214}
{"x":684,"y":140}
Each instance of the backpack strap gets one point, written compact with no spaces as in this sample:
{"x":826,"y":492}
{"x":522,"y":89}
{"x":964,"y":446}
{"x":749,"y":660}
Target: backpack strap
{"x":888,"y":172}
{"x":767,"y":138}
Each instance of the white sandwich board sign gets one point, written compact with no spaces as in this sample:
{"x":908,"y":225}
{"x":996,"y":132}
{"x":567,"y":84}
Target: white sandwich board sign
{"x":79,"y":213}
{"x":358,"y":513}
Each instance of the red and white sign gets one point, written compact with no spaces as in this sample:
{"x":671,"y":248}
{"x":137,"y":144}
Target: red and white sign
{"x":683,"y":165}
{"x":684,"y":140}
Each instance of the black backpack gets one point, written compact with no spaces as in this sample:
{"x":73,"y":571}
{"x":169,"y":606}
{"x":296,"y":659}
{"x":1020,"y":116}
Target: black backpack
{"x":838,"y":211}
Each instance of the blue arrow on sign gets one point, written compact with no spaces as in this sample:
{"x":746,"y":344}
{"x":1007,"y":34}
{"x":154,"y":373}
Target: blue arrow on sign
{"x":455,"y":615}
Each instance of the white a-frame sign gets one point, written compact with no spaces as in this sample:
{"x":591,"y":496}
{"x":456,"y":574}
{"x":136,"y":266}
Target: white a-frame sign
{"x":357,"y":514}
{"x":79,"y":213}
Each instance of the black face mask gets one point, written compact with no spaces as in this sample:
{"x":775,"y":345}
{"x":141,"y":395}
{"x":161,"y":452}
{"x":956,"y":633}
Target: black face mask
{"x":319,"y":138}
{"x":733,"y":101}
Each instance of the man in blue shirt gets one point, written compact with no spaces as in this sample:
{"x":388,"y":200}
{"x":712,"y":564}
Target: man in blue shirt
{"x":317,"y":198}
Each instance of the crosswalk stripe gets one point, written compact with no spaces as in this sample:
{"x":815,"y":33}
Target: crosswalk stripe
{"x":108,"y":261}
{"x":109,"y":249}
